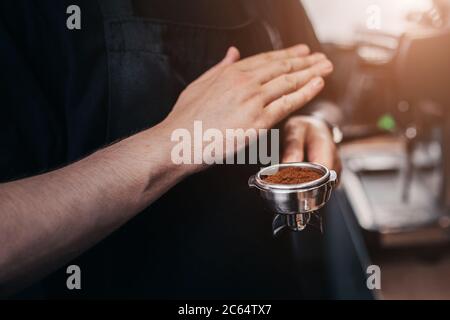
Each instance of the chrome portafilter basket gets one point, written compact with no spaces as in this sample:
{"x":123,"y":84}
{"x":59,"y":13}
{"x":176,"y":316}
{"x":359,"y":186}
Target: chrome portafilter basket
{"x":295,"y":205}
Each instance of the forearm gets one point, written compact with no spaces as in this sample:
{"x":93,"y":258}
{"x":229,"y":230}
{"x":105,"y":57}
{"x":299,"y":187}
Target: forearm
{"x":48,"y":219}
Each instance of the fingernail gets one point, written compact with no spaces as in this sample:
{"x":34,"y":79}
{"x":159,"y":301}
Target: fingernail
{"x":318,"y":82}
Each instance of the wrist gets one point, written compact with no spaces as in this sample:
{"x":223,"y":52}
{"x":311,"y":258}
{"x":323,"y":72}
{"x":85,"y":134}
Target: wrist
{"x":159,"y":138}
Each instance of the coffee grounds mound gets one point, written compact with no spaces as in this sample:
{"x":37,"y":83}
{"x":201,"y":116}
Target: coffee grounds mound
{"x":293,"y":175}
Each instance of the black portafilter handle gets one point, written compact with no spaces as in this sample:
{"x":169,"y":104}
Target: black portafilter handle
{"x":296,"y":222}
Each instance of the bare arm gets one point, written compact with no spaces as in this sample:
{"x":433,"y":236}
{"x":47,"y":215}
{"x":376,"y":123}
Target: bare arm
{"x":48,"y":219}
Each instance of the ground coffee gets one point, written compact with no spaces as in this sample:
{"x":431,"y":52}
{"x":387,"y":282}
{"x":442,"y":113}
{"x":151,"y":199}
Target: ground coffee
{"x":293,"y":175}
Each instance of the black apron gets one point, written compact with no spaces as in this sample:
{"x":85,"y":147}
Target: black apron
{"x":208,"y":237}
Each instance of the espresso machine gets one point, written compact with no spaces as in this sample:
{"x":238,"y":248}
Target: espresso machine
{"x":399,"y":184}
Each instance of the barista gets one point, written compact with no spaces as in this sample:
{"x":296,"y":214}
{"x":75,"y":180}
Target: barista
{"x":68,"y":93}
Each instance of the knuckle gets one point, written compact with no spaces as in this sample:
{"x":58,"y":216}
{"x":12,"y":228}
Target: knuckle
{"x":308,"y":96}
{"x":240,"y":77}
{"x":258,"y":99}
{"x":286,"y":66}
{"x":291,"y":81}
{"x":303,"y":97}
{"x":301,"y":63}
{"x":310,"y":60}
{"x":309,"y":73}
{"x":250,"y":93}
{"x":286,"y":103}
{"x":262,"y":123}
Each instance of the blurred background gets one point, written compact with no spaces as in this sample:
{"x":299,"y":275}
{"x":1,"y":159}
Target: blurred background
{"x":392,"y":63}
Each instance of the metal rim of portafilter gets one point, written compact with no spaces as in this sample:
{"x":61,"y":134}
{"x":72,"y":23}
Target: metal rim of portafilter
{"x":295,"y":204}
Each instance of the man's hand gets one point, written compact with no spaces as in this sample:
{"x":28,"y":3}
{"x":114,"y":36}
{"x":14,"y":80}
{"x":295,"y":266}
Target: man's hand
{"x":309,"y":139}
{"x":254,"y":93}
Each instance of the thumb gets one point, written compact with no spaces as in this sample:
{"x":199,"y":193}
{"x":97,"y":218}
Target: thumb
{"x":231,"y":57}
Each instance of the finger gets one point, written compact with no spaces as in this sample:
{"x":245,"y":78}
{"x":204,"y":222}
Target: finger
{"x":321,"y":149}
{"x":284,"y":106}
{"x":285,"y":66}
{"x":294,"y":145}
{"x":231,"y":57}
{"x":337,"y":166}
{"x":288,"y":83}
{"x":294,"y":155}
{"x":263,"y":58}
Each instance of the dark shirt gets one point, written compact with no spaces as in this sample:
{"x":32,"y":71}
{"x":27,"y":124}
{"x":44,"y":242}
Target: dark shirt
{"x":53,"y":86}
